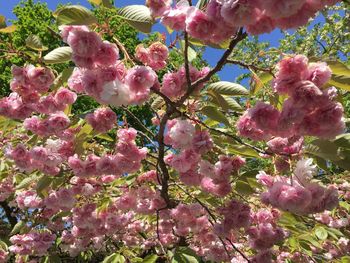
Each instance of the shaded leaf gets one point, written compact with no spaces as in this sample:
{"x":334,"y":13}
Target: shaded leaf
{"x":18,"y":227}
{"x":321,"y":233}
{"x":2,"y":21}
{"x":75,"y":15}
{"x":58,"y":55}
{"x":191,"y":53}
{"x":43,"y":183}
{"x":340,"y":81}
{"x":34,"y":42}
{"x":138,"y":16}
{"x":150,"y":259}
{"x":228,"y":88}
{"x":214,"y":114}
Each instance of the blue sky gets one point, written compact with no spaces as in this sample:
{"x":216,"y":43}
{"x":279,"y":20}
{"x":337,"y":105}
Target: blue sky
{"x":229,"y":73}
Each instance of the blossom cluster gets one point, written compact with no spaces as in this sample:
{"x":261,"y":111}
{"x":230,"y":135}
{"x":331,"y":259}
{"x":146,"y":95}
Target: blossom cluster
{"x":33,"y":243}
{"x":27,"y":86}
{"x":220,"y":19}
{"x":192,"y":169}
{"x":127,"y":158}
{"x":101,"y":74}
{"x":155,"y":55}
{"x":298,"y":194}
{"x":102,"y":119}
{"x":309,"y":110}
{"x":174,"y":84}
{"x":46,"y":158}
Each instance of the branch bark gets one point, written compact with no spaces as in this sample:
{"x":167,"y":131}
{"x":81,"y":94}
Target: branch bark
{"x":8,"y":212}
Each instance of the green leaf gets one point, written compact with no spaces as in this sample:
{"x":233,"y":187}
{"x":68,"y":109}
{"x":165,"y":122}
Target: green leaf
{"x":191,"y":53}
{"x":150,"y":259}
{"x":185,"y":255}
{"x":233,"y":104}
{"x":8,"y":29}
{"x":34,"y":42}
{"x":243,"y":188}
{"x":228,"y":88}
{"x":75,"y":15}
{"x":157,"y":103}
{"x":18,"y":227}
{"x":321,"y":233}
{"x":338,"y":68}
{"x":259,"y":81}
{"x":242,"y":150}
{"x":114,"y":258}
{"x":214,"y":114}
{"x":340,"y":81}
{"x":105,"y":3}
{"x":138,"y":16}
{"x":26,"y":182}
{"x":43,"y":183}
{"x":58,"y":55}
{"x":345,"y":259}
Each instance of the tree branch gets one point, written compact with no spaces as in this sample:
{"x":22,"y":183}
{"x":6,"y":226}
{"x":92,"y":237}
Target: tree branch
{"x":8,"y":212}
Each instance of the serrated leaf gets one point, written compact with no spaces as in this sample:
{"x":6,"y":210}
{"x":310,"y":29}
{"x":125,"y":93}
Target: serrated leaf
{"x":214,"y":114}
{"x":138,"y":16}
{"x":228,"y":88}
{"x":58,"y":55}
{"x":150,"y":259}
{"x":8,"y":29}
{"x":34,"y":42}
{"x":75,"y":15}
{"x":17,"y":228}
{"x":321,"y":233}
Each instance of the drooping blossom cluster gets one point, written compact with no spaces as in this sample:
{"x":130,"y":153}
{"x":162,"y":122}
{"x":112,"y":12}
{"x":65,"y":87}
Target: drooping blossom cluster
{"x":298,"y":194}
{"x":127,"y":158}
{"x":155,"y":55}
{"x":174,"y":84}
{"x":218,"y":20}
{"x":192,"y":169}
{"x":265,"y":233}
{"x":102,"y":119}
{"x":47,"y":158}
{"x":309,"y":110}
{"x":101,"y":74}
{"x":34,"y":243}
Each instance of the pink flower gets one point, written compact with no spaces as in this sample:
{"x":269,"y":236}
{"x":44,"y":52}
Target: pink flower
{"x":263,"y":24}
{"x":102,"y":120}
{"x":290,"y":70}
{"x":319,"y":73}
{"x":84,"y":44}
{"x":58,"y":121}
{"x":92,"y":83}
{"x":65,"y":96}
{"x":265,"y":116}
{"x":107,"y":55}
{"x":175,"y":18}
{"x":158,"y":7}
{"x":198,"y":24}
{"x":172,"y":86}
{"x":75,"y":80}
{"x":140,"y":79}
{"x":158,"y":54}
{"x":281,"y":8}
{"x":182,"y":134}
{"x":65,"y":30}
{"x":202,"y":142}
{"x":40,"y":78}
{"x":247,"y":128}
{"x":239,"y":12}
{"x":142,"y":54}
